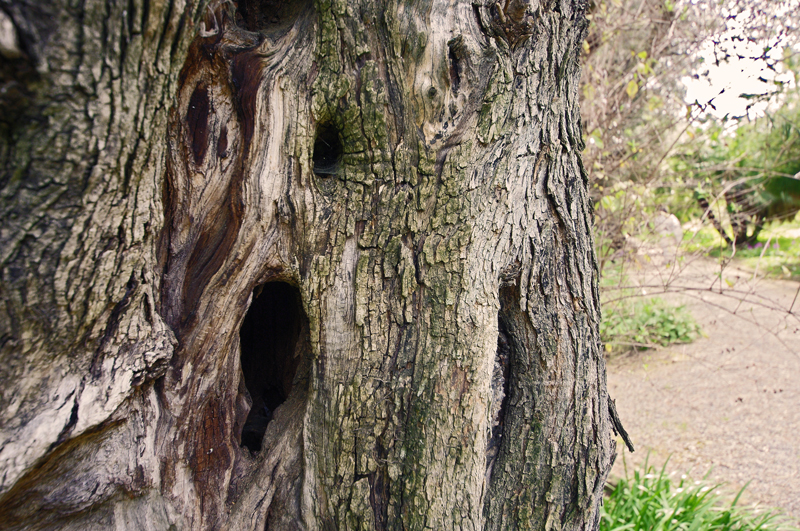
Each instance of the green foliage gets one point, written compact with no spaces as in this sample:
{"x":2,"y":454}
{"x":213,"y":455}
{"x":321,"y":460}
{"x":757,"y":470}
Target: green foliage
{"x":651,"y":501}
{"x":638,"y":323}
{"x":770,"y":145}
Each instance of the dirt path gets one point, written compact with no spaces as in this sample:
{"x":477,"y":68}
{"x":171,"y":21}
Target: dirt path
{"x":729,"y":402}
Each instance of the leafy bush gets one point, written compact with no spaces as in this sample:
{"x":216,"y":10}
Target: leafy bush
{"x":651,"y":501}
{"x":636,"y":323}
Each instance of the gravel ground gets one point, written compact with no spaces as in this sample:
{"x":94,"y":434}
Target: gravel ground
{"x":729,"y":403}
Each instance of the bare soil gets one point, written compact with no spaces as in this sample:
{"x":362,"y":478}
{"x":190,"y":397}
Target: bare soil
{"x":728,"y":404}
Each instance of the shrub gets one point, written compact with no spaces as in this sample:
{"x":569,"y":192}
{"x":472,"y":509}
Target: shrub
{"x":636,"y":323}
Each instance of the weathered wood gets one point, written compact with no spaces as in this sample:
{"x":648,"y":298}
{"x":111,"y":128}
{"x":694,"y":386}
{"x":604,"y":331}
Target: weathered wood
{"x":411,"y":172}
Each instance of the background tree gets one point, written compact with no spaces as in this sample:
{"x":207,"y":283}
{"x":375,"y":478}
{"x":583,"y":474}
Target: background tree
{"x":297,"y":265}
{"x":637,"y":120}
{"x":747,"y":177}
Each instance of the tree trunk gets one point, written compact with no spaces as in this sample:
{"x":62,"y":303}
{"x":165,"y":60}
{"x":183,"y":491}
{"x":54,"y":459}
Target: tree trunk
{"x":297,"y":265}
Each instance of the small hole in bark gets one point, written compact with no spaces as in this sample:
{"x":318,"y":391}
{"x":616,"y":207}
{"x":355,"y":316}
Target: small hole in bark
{"x":270,"y":354}
{"x":271,"y":16}
{"x":327,"y":150}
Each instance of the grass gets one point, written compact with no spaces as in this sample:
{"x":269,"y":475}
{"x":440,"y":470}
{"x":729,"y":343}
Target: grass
{"x":650,"y":501}
{"x":705,"y":240}
{"x":776,"y":254}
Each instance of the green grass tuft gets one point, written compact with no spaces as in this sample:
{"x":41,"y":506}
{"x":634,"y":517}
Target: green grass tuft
{"x":650,"y":501}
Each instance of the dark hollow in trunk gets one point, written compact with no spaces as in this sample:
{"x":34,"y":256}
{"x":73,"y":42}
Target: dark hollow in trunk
{"x":327,"y":150}
{"x":273,"y":17}
{"x":270,"y":356}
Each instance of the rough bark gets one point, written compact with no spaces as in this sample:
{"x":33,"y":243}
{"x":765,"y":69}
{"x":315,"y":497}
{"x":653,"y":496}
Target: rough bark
{"x":297,"y":265}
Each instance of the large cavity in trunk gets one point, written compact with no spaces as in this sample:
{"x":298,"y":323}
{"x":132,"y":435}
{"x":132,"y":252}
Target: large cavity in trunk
{"x":272,"y":351}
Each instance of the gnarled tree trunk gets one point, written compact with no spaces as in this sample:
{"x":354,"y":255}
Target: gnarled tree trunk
{"x":297,"y":265}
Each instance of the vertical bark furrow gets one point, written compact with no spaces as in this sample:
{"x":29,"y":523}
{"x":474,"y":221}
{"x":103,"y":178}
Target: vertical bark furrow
{"x":246,"y":79}
{"x":501,"y":380}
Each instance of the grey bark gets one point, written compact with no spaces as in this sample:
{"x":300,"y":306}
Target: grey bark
{"x":411,"y":170}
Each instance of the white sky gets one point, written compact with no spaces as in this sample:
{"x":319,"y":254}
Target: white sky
{"x":726,"y":81}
